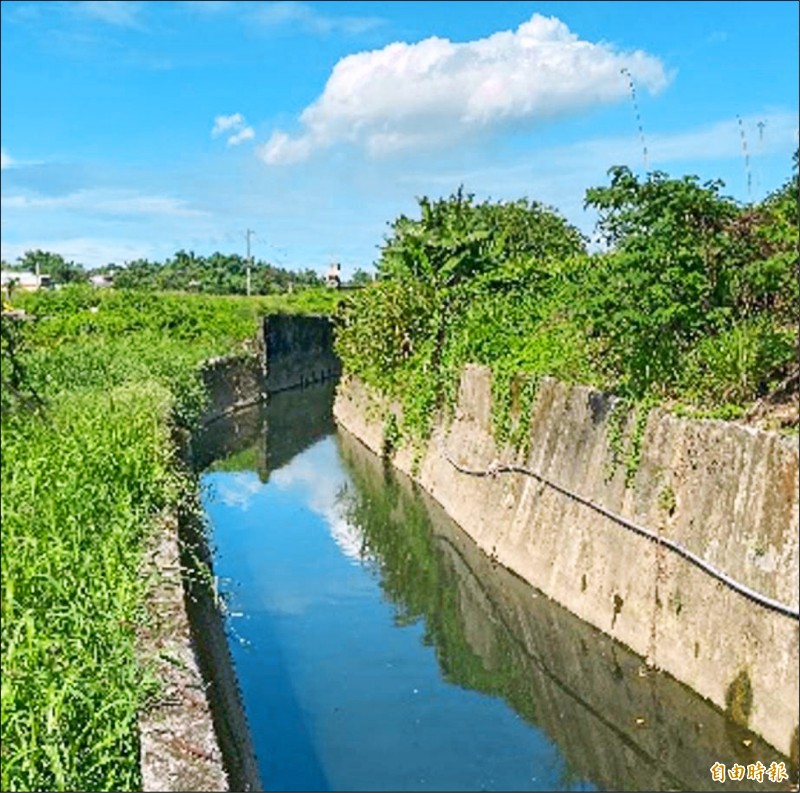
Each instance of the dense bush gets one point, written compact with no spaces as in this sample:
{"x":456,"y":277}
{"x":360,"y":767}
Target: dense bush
{"x":693,"y":301}
{"x":442,"y":281}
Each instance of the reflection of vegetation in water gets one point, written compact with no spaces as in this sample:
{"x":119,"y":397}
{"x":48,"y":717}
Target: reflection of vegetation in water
{"x":421,"y":581}
{"x":231,"y":443}
{"x":243,"y":460}
{"x":493,"y":633}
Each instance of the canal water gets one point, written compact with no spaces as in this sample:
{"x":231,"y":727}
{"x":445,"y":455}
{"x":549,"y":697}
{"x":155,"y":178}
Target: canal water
{"x":377,"y":648}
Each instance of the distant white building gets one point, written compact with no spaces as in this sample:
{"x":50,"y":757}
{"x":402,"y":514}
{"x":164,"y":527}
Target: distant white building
{"x":101,"y":280}
{"x":30,"y":282}
{"x":334,"y":277}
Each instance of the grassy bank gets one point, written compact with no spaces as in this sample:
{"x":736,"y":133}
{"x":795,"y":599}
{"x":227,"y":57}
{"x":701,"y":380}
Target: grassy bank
{"x":91,"y":389}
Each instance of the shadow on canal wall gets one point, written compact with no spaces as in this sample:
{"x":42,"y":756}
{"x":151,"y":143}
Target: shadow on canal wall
{"x":617,"y":724}
{"x":292,"y":352}
{"x":727,"y":493}
{"x":297,"y":351}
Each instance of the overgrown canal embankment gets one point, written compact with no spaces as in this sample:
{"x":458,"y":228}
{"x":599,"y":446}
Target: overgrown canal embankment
{"x":725,"y":494}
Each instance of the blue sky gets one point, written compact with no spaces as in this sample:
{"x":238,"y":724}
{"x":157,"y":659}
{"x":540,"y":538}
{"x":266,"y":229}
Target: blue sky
{"x":135,"y":129}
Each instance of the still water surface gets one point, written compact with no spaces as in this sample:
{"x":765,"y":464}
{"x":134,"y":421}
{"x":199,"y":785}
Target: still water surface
{"x":378,"y":649}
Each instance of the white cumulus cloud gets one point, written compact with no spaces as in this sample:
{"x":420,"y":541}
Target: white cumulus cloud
{"x":227,"y":123}
{"x":5,"y":160}
{"x":248,"y":133}
{"x":235,"y":127}
{"x":436,"y":91}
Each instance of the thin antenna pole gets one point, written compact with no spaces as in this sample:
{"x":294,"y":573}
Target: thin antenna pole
{"x":746,"y":161}
{"x":638,"y":116}
{"x":760,"y":125}
{"x":248,"y":234}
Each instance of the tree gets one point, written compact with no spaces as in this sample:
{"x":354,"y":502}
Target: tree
{"x":430,"y":271}
{"x":54,"y":265}
{"x":456,"y":240}
{"x":360,"y":278}
{"x":685,"y":262}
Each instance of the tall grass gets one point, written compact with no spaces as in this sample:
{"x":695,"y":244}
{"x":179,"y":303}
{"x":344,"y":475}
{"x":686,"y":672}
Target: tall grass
{"x":80,"y":488}
{"x":87,"y":469}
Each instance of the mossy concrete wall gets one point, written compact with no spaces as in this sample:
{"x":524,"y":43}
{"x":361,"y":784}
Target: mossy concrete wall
{"x":298,"y":351}
{"x":727,"y":493}
{"x":231,"y":383}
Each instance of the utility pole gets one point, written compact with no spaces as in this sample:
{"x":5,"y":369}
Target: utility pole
{"x":249,"y":233}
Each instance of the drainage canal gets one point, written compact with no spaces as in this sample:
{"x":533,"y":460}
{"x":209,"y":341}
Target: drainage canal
{"x":378,"y":649}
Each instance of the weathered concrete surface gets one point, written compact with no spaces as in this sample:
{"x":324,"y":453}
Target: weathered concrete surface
{"x":298,"y":351}
{"x":734,"y":501}
{"x":293,"y":352}
{"x":232,"y":383}
{"x":178,"y":745}
{"x":195,"y":736}
{"x":617,"y":724}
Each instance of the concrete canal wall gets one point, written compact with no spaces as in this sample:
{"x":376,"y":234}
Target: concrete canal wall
{"x":727,"y":494}
{"x":232,"y":382}
{"x":293,"y":352}
{"x":616,"y":723}
{"x":195,"y":735}
{"x":297,"y":351}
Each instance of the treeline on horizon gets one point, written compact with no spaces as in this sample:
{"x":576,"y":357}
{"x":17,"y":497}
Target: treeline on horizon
{"x":219,"y":273}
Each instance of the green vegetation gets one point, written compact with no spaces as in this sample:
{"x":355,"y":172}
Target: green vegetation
{"x":692,"y":304}
{"x":92,"y":389}
{"x":219,"y":274}
{"x":216,"y":274}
